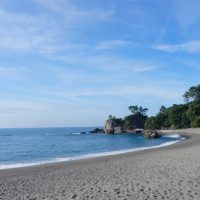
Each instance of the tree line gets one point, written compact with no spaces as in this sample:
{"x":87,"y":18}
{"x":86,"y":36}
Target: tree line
{"x":176,"y":116}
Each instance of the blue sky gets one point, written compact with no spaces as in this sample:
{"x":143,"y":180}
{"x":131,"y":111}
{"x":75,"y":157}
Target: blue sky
{"x":74,"y":62}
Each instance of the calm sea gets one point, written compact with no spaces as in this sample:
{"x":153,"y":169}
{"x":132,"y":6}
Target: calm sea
{"x":25,"y":147}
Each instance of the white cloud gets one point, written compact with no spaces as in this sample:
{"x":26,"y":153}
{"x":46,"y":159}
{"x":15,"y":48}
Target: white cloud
{"x":14,"y":72}
{"x":72,"y":14}
{"x":114,"y":64}
{"x":147,"y":68}
{"x":189,"y":47}
{"x":161,"y":92}
{"x":24,"y":32}
{"x":111,"y":44}
{"x":43,"y":33}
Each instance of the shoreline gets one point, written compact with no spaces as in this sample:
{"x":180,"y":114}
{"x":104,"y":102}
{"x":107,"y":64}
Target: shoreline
{"x":92,"y":155}
{"x":96,"y":158}
{"x":170,"y":172}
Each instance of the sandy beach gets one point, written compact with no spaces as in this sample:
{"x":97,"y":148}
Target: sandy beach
{"x":171,"y":172}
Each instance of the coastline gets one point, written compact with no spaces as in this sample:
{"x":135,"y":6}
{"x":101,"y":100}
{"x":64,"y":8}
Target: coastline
{"x":133,"y":175}
{"x":94,"y":155}
{"x":54,"y":164}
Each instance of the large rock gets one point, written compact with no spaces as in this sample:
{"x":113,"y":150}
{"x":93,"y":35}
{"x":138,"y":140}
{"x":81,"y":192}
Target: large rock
{"x":109,"y":126}
{"x":97,"y":130}
{"x":118,"y":130}
{"x":114,"y":126}
{"x":151,"y":134}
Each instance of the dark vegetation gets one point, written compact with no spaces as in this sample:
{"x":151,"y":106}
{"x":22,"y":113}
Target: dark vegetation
{"x":136,"y":119}
{"x":175,"y":117}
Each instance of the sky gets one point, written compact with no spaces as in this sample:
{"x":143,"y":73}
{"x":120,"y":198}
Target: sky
{"x":74,"y":62}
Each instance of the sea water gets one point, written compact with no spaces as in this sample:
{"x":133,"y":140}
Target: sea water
{"x":26,"y":147}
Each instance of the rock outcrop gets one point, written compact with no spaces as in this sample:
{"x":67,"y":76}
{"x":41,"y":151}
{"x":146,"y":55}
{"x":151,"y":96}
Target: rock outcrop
{"x":151,"y":134}
{"x":110,"y":126}
{"x":98,"y":130}
{"x":118,"y":130}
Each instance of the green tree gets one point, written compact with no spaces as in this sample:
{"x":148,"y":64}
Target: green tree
{"x":192,"y":94}
{"x":110,"y":117}
{"x":137,"y":119}
{"x":133,"y":109}
{"x":128,"y":122}
{"x":142,"y":110}
{"x":163,"y":109}
{"x":162,"y":116}
{"x":193,"y":113}
{"x":118,"y":121}
{"x":177,"y":116}
{"x":136,"y":109}
{"x":151,"y":123}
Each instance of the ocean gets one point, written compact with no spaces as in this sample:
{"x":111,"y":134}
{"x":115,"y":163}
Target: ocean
{"x":33,"y":146}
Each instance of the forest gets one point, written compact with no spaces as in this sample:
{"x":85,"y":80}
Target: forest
{"x":177,"y":116}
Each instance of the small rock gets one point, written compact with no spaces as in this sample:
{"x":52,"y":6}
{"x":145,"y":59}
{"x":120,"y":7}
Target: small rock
{"x":74,"y":196}
{"x":151,"y":134}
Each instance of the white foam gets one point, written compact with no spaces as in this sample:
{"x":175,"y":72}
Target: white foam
{"x":76,"y":133}
{"x":56,"y":160}
{"x":172,"y":136}
{"x":50,"y":134}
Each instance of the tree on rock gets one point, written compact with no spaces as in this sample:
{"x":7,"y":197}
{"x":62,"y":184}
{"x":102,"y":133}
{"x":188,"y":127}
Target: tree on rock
{"x":137,"y":118}
{"x":136,"y":109}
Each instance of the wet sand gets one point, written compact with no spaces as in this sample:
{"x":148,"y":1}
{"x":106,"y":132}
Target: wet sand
{"x":171,"y":172}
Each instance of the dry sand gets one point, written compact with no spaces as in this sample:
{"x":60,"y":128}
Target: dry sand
{"x":171,"y":172}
